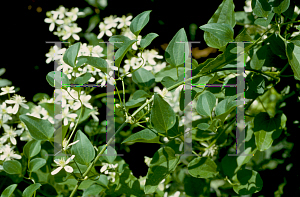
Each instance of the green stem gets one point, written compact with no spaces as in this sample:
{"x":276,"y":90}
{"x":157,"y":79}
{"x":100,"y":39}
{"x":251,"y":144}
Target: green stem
{"x":287,"y":64}
{"x":110,"y":93}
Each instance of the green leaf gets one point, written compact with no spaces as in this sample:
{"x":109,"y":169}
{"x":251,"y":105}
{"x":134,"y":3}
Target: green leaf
{"x":221,"y":31}
{"x":162,"y":115}
{"x":93,"y":22}
{"x":122,"y":51}
{"x":250,"y":182}
{"x":86,"y":184}
{"x":12,"y":167}
{"x":170,"y":72}
{"x":36,"y":164}
{"x":39,"y":129}
{"x":279,"y":6}
{"x":163,"y":162}
{"x":176,"y":53}
{"x":83,"y":150}
{"x":97,"y":62}
{"x":108,"y":158}
{"x":261,"y":8}
{"x":139,"y":22}
{"x":195,"y":187}
{"x":243,"y":36}
{"x":144,"y":136}
{"x":134,"y":102}
{"x":28,"y":192}
{"x":83,"y":79}
{"x":264,"y":21}
{"x":32,"y":148}
{"x":9,"y":190}
{"x":168,"y":81}
{"x":71,"y":53}
{"x":84,"y":115}
{"x":225,"y":107}
{"x":50,"y":78}
{"x":267,"y":129}
{"x":143,"y":77}
{"x":205,"y":104}
{"x":103,"y":180}
{"x":119,"y":38}
{"x":202,"y":167}
{"x":147,"y":40}
{"x":259,"y":58}
{"x":5,"y":82}
{"x":224,"y":14}
{"x":92,"y":190}
{"x":2,"y":71}
{"x":293,"y":54}
{"x":39,"y":96}
{"x":277,"y":46}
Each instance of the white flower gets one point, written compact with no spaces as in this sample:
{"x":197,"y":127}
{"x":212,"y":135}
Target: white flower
{"x":52,"y":20}
{"x":7,"y":90}
{"x":94,"y":113}
{"x":248,"y":7}
{"x":36,"y":111}
{"x":163,"y":93}
{"x":11,"y":133}
{"x":9,"y":153}
{"x":63,"y":164}
{"x":150,"y":55}
{"x":106,"y":78}
{"x":71,"y":31}
{"x":85,"y":101}
{"x":60,"y":12}
{"x":74,"y":12}
{"x":211,"y":151}
{"x":54,"y":54}
{"x":65,"y":115}
{"x":134,"y":46}
{"x":124,"y":21}
{"x":147,"y":160}
{"x":97,"y":51}
{"x":104,"y":29}
{"x":159,"y":67}
{"x":110,"y":22}
{"x":26,"y":136}
{"x":4,"y":111}
{"x":22,"y":126}
{"x":17,"y":100}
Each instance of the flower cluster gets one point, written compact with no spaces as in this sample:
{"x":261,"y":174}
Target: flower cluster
{"x":107,"y":169}
{"x":65,"y":22}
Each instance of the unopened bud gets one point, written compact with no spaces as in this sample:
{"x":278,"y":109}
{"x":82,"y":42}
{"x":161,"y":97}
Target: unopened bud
{"x":118,"y":105}
{"x":145,"y":107}
{"x":147,"y":119}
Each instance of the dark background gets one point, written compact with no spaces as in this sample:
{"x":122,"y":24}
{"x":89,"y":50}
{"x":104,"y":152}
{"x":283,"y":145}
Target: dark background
{"x":25,"y":47}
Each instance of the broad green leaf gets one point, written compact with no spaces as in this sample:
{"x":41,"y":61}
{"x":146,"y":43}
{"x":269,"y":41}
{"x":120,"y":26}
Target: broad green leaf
{"x":39,"y":96}
{"x":9,"y":190}
{"x":264,"y":21}
{"x":12,"y":167}
{"x":118,"y":38}
{"x":71,"y":53}
{"x":221,"y":31}
{"x":84,"y":115}
{"x":162,"y":115}
{"x":224,"y":14}
{"x":83,"y":79}
{"x":168,"y":81}
{"x":143,"y":77}
{"x":144,"y":136}
{"x":289,"y":13}
{"x":176,"y":53}
{"x":174,"y":131}
{"x":259,"y":58}
{"x":122,"y":51}
{"x":277,"y":46}
{"x":134,"y":102}
{"x":2,"y":71}
{"x":250,"y":182}
{"x":170,"y":72}
{"x":103,"y":180}
{"x":293,"y":54}
{"x":49,"y":107}
{"x":36,"y":164}
{"x":202,"y":134}
{"x":32,"y":148}
{"x":50,"y":78}
{"x":243,"y":36}
{"x":85,"y":184}
{"x":182,"y":103}
{"x":140,"y":94}
{"x":279,"y":6}
{"x":258,"y":84}
{"x":93,"y":190}
{"x":267,"y":129}
{"x":139,"y":22}
{"x":5,"y":82}
{"x":96,"y":62}
{"x":205,"y":104}
{"x":261,"y":8}
{"x":195,"y":187}
{"x":202,"y":167}
{"x":108,"y":150}
{"x":28,"y":192}
{"x":163,"y":163}
{"x":225,"y":107}
{"x":147,"y":40}
{"x":83,"y":150}
{"x":39,"y":129}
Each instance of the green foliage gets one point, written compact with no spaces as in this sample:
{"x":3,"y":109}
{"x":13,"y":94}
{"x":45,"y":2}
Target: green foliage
{"x":139,"y":22}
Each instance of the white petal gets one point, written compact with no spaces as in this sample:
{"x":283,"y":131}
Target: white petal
{"x":68,"y":169}
{"x":56,"y":171}
{"x":13,"y":140}
{"x":10,"y":101}
{"x":75,"y":36}
{"x":24,"y":105}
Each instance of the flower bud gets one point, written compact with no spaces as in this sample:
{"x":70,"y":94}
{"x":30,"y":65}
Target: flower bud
{"x":147,"y":119}
{"x":118,"y":105}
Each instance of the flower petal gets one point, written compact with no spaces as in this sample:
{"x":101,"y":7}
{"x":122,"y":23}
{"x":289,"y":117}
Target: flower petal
{"x":68,"y":169}
{"x":56,"y":171}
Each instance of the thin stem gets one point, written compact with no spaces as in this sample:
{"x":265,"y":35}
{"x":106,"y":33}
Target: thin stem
{"x":123,"y":95}
{"x":287,"y":64}
{"x":110,"y":93}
